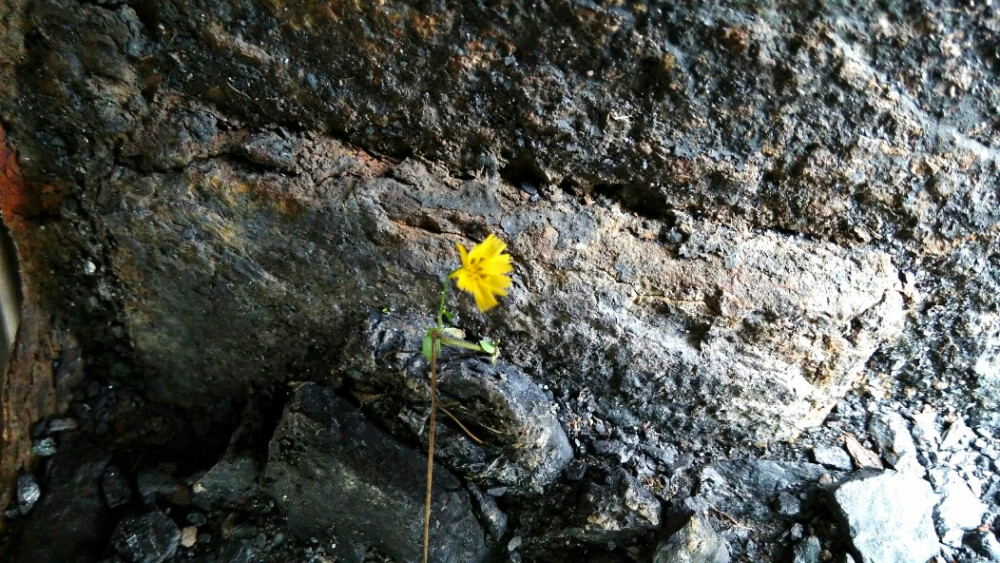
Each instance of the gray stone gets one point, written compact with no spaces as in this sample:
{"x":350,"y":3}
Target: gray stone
{"x":888,"y":516}
{"x":153,"y":483}
{"x":335,"y":475}
{"x":28,"y":492}
{"x":152,"y":537}
{"x":230,"y":481}
{"x":808,"y":550}
{"x":895,"y":443}
{"x":789,"y":505}
{"x":116,"y":488}
{"x":956,"y":436}
{"x":925,"y":431}
{"x":832,"y":457}
{"x":62,"y":424}
{"x":696,"y":542}
{"x":613,"y":511}
{"x":959,"y":509}
{"x":46,"y":447}
{"x":526,"y":448}
{"x":490,"y":515}
{"x":750,"y":491}
{"x":795,"y":532}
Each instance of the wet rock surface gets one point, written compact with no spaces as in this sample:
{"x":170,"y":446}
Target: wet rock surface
{"x":756,"y":252}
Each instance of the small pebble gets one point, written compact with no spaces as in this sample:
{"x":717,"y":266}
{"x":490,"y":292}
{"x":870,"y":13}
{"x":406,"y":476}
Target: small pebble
{"x":28,"y":492}
{"x":46,"y":447}
{"x":196,"y":518}
{"x":189,"y":536}
{"x":63,"y":424}
{"x":151,"y":538}
{"x":117,"y":491}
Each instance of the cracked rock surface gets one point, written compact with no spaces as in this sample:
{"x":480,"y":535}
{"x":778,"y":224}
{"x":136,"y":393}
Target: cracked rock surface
{"x":746,"y":237}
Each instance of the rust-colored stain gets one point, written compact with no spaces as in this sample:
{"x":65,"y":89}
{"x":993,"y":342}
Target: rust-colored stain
{"x":16,"y":202}
{"x":27,"y":387}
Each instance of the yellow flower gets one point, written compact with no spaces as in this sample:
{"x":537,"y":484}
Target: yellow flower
{"x":482,"y":271}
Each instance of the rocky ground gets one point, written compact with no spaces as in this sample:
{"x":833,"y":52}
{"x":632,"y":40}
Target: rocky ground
{"x":879,"y":480}
{"x":754,"y":314}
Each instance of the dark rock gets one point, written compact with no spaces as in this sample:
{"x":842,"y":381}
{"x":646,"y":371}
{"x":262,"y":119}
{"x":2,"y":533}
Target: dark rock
{"x":46,"y":447}
{"x":490,"y":515}
{"x":70,"y":521}
{"x":888,"y":516}
{"x":526,"y":448}
{"x":63,"y":425}
{"x":984,"y":543}
{"x":230,"y":481}
{"x":835,"y":458}
{"x":147,"y":538}
{"x":895,"y":442}
{"x":28,"y":492}
{"x":789,"y":505}
{"x":696,"y":542}
{"x":116,"y":488}
{"x":751,"y":491}
{"x":613,"y":511}
{"x":335,"y":475}
{"x":808,"y":550}
{"x":153,"y":483}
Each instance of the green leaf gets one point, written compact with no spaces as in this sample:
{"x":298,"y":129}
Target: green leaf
{"x":428,"y":343}
{"x":448,"y":315}
{"x":454,"y":332}
{"x":488,"y":346}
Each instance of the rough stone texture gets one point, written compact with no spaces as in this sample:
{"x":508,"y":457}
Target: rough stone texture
{"x":959,"y":509}
{"x":70,"y":521}
{"x":696,"y":542}
{"x":147,"y":538}
{"x":283,"y":234}
{"x":808,"y":550}
{"x":896,"y":443}
{"x":335,"y":475}
{"x":835,"y":458}
{"x":888,"y":517}
{"x":617,"y":510}
{"x":717,"y":211}
{"x":230,"y":481}
{"x":749,"y":492}
{"x":525,"y":447}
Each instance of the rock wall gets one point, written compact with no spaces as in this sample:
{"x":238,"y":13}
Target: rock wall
{"x":722,"y":218}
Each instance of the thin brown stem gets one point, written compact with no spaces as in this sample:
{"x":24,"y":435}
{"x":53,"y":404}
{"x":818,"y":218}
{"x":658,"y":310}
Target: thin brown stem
{"x":430,"y":445}
{"x":460,"y":425}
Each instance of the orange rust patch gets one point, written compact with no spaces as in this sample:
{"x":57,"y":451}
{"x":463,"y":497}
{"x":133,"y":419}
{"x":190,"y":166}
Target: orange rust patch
{"x":16,"y":202}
